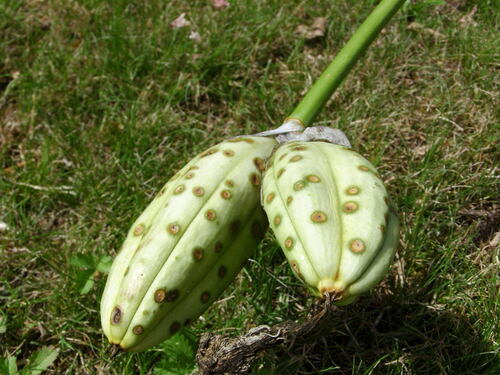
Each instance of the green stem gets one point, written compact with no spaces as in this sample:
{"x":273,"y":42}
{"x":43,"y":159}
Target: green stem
{"x":332,"y":77}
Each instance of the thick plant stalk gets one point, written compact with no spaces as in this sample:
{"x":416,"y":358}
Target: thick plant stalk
{"x":332,"y":77}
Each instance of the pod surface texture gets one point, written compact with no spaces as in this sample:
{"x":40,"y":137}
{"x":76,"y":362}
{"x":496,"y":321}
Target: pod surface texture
{"x":330,"y":212}
{"x":188,"y":245}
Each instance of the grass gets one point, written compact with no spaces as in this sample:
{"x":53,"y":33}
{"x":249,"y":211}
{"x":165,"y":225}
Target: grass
{"x":101,"y":102}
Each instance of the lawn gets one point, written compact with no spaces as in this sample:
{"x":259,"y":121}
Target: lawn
{"x":101,"y":102}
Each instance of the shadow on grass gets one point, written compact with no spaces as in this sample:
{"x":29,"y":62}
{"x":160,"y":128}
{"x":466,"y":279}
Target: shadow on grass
{"x":384,"y":335}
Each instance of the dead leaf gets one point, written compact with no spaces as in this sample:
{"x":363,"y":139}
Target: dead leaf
{"x":179,"y":22}
{"x":3,"y":227}
{"x":455,"y":4}
{"x":420,"y":150}
{"x":9,"y":170}
{"x":415,"y":26}
{"x":41,"y":329}
{"x":195,"y":35}
{"x":495,"y":241}
{"x":220,"y":4}
{"x":316,"y":30}
{"x":480,"y":213}
{"x":468,"y":20}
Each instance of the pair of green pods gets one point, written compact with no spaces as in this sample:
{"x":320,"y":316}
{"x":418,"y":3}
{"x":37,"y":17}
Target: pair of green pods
{"x":325,"y":203}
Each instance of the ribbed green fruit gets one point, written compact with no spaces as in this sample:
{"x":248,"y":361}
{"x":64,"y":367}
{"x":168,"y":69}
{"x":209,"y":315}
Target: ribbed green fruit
{"x":330,"y":212}
{"x":188,"y":244}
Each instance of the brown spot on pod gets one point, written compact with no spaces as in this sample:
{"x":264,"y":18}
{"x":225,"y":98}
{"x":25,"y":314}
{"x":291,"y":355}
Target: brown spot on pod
{"x":269,"y":164}
{"x":198,"y":191}
{"x":179,"y":189}
{"x":299,"y":185}
{"x":313,"y":178}
{"x":299,"y":148}
{"x":289,"y":200}
{"x":205,"y":296}
{"x":173,"y":228}
{"x":218,"y":247}
{"x":229,"y":183}
{"x":126,"y":271}
{"x":318,"y":217}
{"x":116,"y":315}
{"x":283,"y":156}
{"x":228,"y":153}
{"x":222,"y":271}
{"x":280,"y":172}
{"x":350,"y":207}
{"x":255,"y":179}
{"x":160,"y":295}
{"x":145,"y":312}
{"x":234,"y":140}
{"x":138,"y":330}
{"x":193,"y":167}
{"x":295,"y":158}
{"x":138,"y":230}
{"x":296,"y":269}
{"x":198,"y":254}
{"x":357,"y":246}
{"x":225,"y":194}
{"x":174,"y":327}
{"x":234,"y":227}
{"x":257,"y":231}
{"x":277,"y":220}
{"x":172,"y":295}
{"x":363,"y":168}
{"x":189,"y":176}
{"x":289,"y":243}
{"x":270,"y":197}
{"x":352,"y":190}
{"x":382,"y":228}
{"x":260,"y":164}
{"x":248,"y":140}
{"x":211,"y":215}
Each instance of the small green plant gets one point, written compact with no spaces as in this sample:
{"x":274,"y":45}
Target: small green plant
{"x":87,"y":267}
{"x":37,"y":363}
{"x":179,"y":355}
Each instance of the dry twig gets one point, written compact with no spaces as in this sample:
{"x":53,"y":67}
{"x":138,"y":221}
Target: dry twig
{"x":222,"y":354}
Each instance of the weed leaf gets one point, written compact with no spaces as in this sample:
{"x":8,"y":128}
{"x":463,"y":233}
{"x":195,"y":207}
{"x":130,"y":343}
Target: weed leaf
{"x":8,"y":366}
{"x":104,"y":264}
{"x":179,"y":358}
{"x":40,"y":361}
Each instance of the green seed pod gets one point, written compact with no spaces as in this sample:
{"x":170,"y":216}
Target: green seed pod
{"x":329,"y":211}
{"x":188,"y":245}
